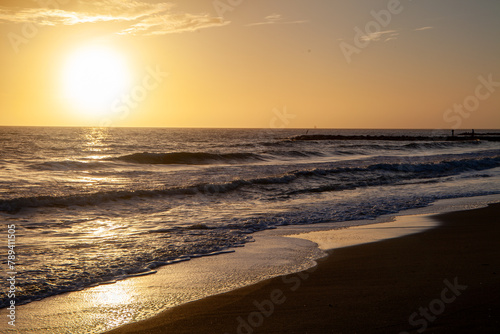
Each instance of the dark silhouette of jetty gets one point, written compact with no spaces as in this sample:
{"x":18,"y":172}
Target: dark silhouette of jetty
{"x":467,"y":136}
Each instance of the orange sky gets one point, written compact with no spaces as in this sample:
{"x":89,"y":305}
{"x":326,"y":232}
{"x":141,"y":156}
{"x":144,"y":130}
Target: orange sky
{"x":253,"y":63}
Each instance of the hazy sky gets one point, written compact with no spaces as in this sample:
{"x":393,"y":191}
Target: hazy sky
{"x":251,"y":63}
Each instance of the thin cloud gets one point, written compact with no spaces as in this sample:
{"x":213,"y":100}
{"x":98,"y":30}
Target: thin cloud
{"x":423,"y":28}
{"x":390,"y":39}
{"x":275,"y":19}
{"x":55,"y":17}
{"x":141,"y":18}
{"x":387,"y":35}
{"x":159,"y":25}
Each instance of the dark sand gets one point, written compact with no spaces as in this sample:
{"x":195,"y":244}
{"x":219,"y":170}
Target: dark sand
{"x":371,"y":288}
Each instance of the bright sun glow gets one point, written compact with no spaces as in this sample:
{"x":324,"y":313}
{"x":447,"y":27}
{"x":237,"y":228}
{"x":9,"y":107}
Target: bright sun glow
{"x":93,"y":78}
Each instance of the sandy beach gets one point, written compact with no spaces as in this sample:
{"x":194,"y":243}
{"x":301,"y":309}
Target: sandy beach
{"x":444,"y":280}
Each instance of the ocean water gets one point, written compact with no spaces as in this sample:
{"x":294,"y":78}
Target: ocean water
{"x":96,"y":205}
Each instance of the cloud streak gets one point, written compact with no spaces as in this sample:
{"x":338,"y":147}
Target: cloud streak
{"x":387,"y":35}
{"x":139,"y":18}
{"x":275,"y":19}
{"x":423,"y":28}
{"x":379,"y":35}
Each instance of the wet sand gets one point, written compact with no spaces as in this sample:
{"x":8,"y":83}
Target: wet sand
{"x":444,"y":280}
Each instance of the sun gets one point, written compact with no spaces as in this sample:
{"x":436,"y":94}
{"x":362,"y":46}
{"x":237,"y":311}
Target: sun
{"x":94,"y":77}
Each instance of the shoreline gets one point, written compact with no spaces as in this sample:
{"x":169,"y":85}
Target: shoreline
{"x":373,"y":287}
{"x":124,"y":303}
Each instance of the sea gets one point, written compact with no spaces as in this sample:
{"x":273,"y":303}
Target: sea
{"x":92,"y":206}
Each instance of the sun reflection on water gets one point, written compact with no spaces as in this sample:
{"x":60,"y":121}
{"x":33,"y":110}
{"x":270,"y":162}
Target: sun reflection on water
{"x":111,"y":294}
{"x":116,"y":303}
{"x":104,"y":229}
{"x":94,"y":139}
